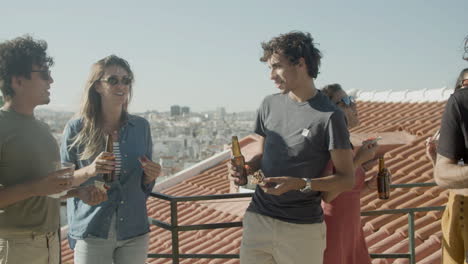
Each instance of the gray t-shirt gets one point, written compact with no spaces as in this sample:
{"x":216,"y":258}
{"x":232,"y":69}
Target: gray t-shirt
{"x":298,"y":140}
{"x":28,"y":151}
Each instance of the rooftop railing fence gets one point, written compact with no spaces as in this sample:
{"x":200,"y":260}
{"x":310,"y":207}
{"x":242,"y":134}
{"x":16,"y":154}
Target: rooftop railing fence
{"x":175,"y":228}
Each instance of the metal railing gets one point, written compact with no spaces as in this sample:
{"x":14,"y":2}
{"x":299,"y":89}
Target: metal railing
{"x":411,"y":231}
{"x":175,"y":228}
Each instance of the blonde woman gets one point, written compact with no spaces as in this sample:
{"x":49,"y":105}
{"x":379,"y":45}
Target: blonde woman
{"x":115,"y":231}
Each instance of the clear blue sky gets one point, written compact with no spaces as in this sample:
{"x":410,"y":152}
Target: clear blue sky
{"x":204,"y":54}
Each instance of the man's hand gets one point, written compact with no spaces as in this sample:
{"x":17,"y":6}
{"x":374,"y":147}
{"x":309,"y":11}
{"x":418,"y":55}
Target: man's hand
{"x":233,"y":173}
{"x":282,"y":184}
{"x":89,"y":194}
{"x":431,"y":149}
{"x":53,"y":183}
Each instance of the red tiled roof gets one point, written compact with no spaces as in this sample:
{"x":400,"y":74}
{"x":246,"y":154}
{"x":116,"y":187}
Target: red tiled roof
{"x":384,"y":234}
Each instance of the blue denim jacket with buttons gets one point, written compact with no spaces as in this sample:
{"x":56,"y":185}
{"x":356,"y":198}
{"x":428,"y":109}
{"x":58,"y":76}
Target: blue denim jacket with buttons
{"x":127,"y":195}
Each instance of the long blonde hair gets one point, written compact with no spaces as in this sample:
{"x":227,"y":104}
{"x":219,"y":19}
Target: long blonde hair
{"x":92,"y":136}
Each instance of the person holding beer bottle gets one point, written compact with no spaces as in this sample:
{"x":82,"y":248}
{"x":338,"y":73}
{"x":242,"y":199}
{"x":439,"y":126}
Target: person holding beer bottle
{"x":299,"y":130}
{"x":345,"y":237}
{"x":116,"y":230}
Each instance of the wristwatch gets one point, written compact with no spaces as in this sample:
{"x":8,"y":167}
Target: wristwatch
{"x":308,"y":186}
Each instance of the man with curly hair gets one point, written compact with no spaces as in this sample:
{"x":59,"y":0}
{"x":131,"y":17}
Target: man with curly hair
{"x":29,"y":154}
{"x":300,"y":131}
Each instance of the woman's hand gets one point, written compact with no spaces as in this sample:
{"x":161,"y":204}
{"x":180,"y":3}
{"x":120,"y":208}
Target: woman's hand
{"x":371,"y":184}
{"x":89,"y":194}
{"x":151,"y":169}
{"x":104,"y":163}
{"x":366,"y":152}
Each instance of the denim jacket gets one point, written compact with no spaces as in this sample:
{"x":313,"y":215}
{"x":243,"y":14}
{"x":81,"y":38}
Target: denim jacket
{"x":126,"y":197}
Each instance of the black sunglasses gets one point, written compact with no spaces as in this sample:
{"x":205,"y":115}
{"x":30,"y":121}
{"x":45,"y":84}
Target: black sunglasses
{"x":464,"y":82}
{"x":114,"y":80}
{"x":44,"y":74}
{"x":348,"y":101}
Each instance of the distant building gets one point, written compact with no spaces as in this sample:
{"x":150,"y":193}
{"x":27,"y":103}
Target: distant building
{"x":185,"y":110}
{"x":220,"y":113}
{"x":175,"y":110}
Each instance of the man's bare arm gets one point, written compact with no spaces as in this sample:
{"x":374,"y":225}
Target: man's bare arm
{"x":448,"y":174}
{"x":254,"y":161}
{"x":16,"y":193}
{"x":51,"y":184}
{"x":343,"y":178}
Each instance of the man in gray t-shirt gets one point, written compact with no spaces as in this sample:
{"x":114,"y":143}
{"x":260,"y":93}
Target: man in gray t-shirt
{"x":301,"y":130}
{"x":29,"y":159}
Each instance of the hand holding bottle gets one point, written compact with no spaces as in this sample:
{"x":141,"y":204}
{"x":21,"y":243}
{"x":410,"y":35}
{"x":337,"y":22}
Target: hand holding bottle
{"x":54,"y":182}
{"x":104,"y":163}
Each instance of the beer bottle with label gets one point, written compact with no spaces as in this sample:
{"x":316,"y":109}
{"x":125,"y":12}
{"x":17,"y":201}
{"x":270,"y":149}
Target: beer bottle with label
{"x":383,"y":180}
{"x":239,"y":161}
{"x":109,"y":177}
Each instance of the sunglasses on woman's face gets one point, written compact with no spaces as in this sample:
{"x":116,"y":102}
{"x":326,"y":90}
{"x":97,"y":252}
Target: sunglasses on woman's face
{"x":347,"y":101}
{"x":114,"y":80}
{"x":44,"y":74}
{"x":464,"y":82}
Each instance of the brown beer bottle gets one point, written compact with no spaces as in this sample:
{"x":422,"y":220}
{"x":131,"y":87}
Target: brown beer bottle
{"x":383,"y":180}
{"x":238,"y":161}
{"x":109,"y":177}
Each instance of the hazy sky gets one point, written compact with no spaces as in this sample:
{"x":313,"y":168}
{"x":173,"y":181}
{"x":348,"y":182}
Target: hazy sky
{"x":205,"y":54}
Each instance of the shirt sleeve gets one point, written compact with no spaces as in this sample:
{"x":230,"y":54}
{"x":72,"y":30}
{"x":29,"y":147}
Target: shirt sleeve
{"x":338,"y":134}
{"x":68,"y":154}
{"x":260,"y":121}
{"x":451,"y":141}
{"x":147,"y":188}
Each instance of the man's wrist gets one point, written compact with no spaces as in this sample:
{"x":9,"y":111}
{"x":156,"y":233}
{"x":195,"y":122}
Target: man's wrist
{"x":31,"y":188}
{"x":306,"y":184}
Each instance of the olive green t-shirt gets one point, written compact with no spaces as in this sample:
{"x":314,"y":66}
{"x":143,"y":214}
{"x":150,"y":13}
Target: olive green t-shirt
{"x":28,"y":151}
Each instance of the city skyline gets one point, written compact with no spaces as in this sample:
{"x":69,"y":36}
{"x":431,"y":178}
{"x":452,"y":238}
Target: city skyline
{"x":206,"y":54}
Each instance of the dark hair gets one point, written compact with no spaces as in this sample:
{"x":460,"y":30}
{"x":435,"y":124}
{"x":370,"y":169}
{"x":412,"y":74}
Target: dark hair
{"x":458,"y":84}
{"x":294,"y":45}
{"x":17,"y":56}
{"x":331,"y":89}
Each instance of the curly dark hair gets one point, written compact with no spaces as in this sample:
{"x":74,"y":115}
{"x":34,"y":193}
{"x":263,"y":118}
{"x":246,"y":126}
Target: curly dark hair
{"x":294,"y":45}
{"x":17,"y":57}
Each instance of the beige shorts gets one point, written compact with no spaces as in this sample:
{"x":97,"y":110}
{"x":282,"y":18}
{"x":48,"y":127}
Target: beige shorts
{"x":455,"y":230}
{"x":29,"y":247}
{"x":266,"y":240}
